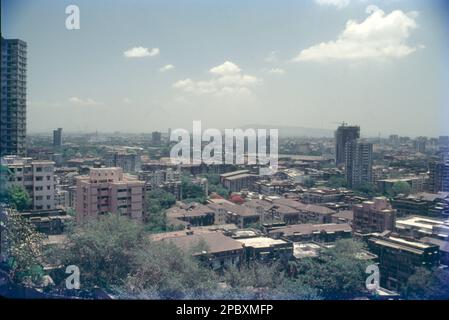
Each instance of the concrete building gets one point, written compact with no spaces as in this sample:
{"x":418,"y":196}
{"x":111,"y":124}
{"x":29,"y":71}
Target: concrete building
{"x":36,"y":177}
{"x":190,"y":215}
{"x":321,"y":195}
{"x":359,"y":163}
{"x":343,"y":135}
{"x":329,"y":232}
{"x":213,"y":248}
{"x":439,"y":176}
{"x":418,"y":227}
{"x":237,"y":180}
{"x":399,"y":257}
{"x":129,"y":162}
{"x":423,"y":204}
{"x":108,"y":190}
{"x":266,"y":249}
{"x":156,"y":137}
{"x":416,"y":183}
{"x":374,"y":216}
{"x":307,"y":213}
{"x":57,"y":138}
{"x":13,"y":97}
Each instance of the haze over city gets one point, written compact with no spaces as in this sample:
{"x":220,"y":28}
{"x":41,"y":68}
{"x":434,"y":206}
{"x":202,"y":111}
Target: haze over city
{"x":152,"y":65}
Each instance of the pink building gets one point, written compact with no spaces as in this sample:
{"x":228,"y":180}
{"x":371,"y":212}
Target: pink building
{"x":108,"y":190}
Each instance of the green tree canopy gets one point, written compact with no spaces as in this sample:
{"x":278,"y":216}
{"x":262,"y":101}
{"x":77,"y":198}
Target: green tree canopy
{"x":336,"y":273}
{"x":18,"y":198}
{"x":428,"y":285}
{"x":401,"y":187}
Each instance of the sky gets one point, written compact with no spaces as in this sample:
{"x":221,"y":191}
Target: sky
{"x":140,"y":66}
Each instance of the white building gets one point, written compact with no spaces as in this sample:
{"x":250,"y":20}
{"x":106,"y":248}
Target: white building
{"x":36,"y":177}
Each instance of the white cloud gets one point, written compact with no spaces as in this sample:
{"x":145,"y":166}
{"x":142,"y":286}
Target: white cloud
{"x":226,"y":68}
{"x":227,"y":78}
{"x":167,"y":67}
{"x":276,"y":71}
{"x":141,"y":52}
{"x":84,"y":102}
{"x":337,"y":3}
{"x":381,"y":36}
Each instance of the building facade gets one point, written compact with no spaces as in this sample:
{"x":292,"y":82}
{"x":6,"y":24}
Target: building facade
{"x":359,"y":163}
{"x":36,"y":177}
{"x":109,"y":190}
{"x":57,"y":138}
{"x":343,"y":135}
{"x":13,"y":97}
{"x":374,"y":216}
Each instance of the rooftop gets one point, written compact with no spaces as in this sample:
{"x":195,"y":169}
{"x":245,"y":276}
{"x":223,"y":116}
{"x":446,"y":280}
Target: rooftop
{"x":260,"y":242}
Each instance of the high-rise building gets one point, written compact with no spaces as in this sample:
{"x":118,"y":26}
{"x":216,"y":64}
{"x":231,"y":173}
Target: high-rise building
{"x":129,"y":162}
{"x":108,"y":190}
{"x":36,"y":177}
{"x":439,"y":176}
{"x":156,"y":137}
{"x":359,"y":163}
{"x":13,"y":97}
{"x":420,"y":144}
{"x":443,"y":144}
{"x":343,"y":135}
{"x":374,"y":216}
{"x":57,"y":138}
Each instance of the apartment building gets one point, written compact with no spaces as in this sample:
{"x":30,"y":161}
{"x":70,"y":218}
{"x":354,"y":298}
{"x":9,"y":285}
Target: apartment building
{"x":398,"y":258}
{"x":374,"y":216}
{"x":36,"y":177}
{"x":109,"y":190}
{"x":13,"y":97}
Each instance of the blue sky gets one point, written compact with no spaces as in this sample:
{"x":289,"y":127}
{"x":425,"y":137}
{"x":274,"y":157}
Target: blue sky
{"x":232,"y":63}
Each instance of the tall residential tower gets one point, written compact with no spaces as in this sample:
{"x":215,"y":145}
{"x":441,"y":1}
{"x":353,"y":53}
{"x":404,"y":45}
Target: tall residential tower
{"x":13,"y":97}
{"x":343,"y":135}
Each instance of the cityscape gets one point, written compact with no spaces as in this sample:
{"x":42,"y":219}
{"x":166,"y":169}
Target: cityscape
{"x":109,"y":200}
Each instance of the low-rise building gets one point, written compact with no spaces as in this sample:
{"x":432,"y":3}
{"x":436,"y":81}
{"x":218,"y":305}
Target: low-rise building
{"x":321,"y":195}
{"x":373,"y":216}
{"x":266,"y":249}
{"x":212,"y":247}
{"x":36,"y":177}
{"x":191,"y":214}
{"x":238,"y":180}
{"x":307,"y":213}
{"x":423,"y":204}
{"x":326,"y":233}
{"x":398,"y":258}
{"x":418,"y":227}
{"x":344,"y":216}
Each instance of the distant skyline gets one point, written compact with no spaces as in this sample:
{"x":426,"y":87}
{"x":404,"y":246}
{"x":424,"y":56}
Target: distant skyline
{"x":140,"y":66}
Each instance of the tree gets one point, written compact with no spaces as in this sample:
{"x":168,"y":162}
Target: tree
{"x":166,"y":272}
{"x":104,"y":250}
{"x":336,"y":273}
{"x":220,"y":190}
{"x":336,"y":182}
{"x":23,"y":247}
{"x":192,"y":192}
{"x":157,"y":201}
{"x":18,"y":198}
{"x":401,"y":187}
{"x":367,"y":189}
{"x":428,"y":285}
